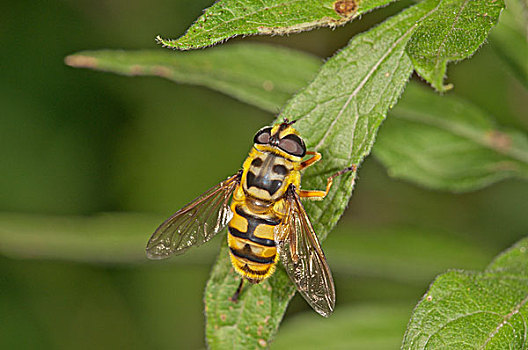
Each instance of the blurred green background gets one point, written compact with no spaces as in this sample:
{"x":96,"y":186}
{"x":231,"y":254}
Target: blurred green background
{"x":77,"y":144}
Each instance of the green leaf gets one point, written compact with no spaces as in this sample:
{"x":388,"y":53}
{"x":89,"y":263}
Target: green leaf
{"x":229,"y":18}
{"x":472,"y":153}
{"x":338,"y":114}
{"x":104,"y":238}
{"x":475,"y":310}
{"x":454,"y":32}
{"x":445,"y":143}
{"x":254,"y":319}
{"x":242,"y":71}
{"x":510,"y":39}
{"x":372,"y":327}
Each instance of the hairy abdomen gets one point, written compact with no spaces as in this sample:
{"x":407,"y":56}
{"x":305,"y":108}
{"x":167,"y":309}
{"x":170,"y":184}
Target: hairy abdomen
{"x":251,"y":241}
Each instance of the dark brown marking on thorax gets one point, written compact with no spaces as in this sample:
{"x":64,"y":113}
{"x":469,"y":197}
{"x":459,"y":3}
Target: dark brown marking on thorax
{"x":267,"y":172}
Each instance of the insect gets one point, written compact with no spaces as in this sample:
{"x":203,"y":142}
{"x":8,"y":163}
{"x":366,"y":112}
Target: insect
{"x":266,"y":220}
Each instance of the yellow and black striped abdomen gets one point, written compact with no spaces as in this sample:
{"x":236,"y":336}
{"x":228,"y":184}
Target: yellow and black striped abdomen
{"x":251,"y":242}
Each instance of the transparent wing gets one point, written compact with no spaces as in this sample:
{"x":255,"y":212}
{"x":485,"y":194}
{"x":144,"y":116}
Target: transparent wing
{"x":194,"y":224}
{"x":302,"y":257}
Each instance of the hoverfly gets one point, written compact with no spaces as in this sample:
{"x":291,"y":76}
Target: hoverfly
{"x":266,"y":219}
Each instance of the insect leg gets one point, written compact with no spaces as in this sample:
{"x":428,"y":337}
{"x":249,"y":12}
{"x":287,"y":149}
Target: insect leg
{"x":316,"y":157}
{"x":318,"y":195}
{"x":235,"y":296}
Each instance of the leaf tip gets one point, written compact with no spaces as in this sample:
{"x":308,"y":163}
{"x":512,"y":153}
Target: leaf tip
{"x":160,"y":41}
{"x":167,"y":43}
{"x":443,"y":88}
{"x":80,"y":61}
{"x":498,"y":140}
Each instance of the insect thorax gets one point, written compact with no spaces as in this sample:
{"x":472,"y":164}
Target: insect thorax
{"x":267,"y":175}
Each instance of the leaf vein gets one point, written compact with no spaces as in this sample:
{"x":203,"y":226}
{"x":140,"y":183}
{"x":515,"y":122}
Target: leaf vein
{"x":454,"y":320}
{"x":363,"y":82}
{"x":514,"y":311}
{"x":455,"y":21}
{"x":467,"y":133}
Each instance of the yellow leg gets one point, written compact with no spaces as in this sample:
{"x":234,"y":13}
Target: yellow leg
{"x":316,"y":157}
{"x":318,"y":195}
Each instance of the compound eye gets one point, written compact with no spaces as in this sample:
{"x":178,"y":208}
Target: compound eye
{"x":263,"y":136}
{"x":293,"y":145}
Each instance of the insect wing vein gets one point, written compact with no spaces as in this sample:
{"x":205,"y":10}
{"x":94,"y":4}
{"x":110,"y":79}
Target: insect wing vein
{"x":303,"y":258}
{"x":194,"y":224}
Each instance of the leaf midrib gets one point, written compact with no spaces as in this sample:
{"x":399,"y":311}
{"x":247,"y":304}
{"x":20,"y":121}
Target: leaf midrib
{"x":366,"y":79}
{"x":463,"y":131}
{"x":455,"y":21}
